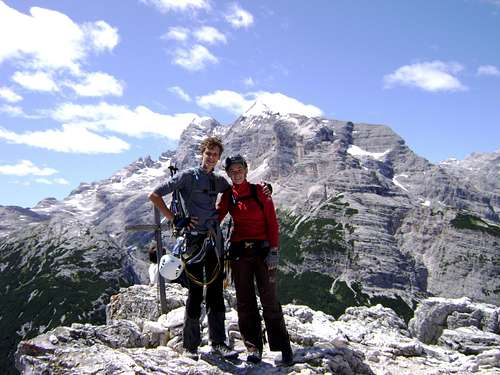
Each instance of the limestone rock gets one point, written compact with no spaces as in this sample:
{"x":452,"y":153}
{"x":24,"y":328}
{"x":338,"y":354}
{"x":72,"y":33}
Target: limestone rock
{"x":432,"y":315}
{"x":147,"y":346}
{"x":469,"y":340}
{"x":140,"y":302}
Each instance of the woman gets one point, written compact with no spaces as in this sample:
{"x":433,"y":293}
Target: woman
{"x":254,"y":255}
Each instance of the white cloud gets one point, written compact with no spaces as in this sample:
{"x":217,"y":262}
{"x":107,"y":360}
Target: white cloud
{"x":120,"y":119}
{"x":238,"y":103}
{"x":37,"y":81}
{"x":181,"y":34}
{"x":488,"y":70}
{"x":238,"y":17}
{"x":429,"y":76}
{"x":210,"y":35}
{"x":178,"y":5}
{"x":71,"y":139}
{"x":17,"y":111}
{"x":178,"y":91}
{"x":61,"y":181}
{"x":58,"y":181}
{"x":229,"y":100}
{"x":25,"y":168}
{"x":97,"y":84}
{"x":43,"y":181}
{"x":47,"y":39}
{"x":195,"y":58}
{"x":102,"y":36}
{"x":12,"y":110}
{"x":248,"y":82}
{"x":9,"y":95}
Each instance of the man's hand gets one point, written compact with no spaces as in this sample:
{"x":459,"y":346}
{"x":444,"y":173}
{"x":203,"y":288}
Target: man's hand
{"x":272,"y":259}
{"x":267,"y":188}
{"x":185,"y":222}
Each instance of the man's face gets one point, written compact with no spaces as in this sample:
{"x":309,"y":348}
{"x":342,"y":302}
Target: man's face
{"x":210,"y":157}
{"x":237,"y":173}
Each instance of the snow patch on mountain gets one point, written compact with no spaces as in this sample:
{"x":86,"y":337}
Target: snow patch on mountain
{"x":397,"y":183}
{"x":358,"y":151}
{"x":427,"y":203}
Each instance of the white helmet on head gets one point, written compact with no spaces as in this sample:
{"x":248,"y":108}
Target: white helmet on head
{"x":170,"y":267}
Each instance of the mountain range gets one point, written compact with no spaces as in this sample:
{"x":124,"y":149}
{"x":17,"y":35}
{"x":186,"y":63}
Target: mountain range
{"x":363,"y":220}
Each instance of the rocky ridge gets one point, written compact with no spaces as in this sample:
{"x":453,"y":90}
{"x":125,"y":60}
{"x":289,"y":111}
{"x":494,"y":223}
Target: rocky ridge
{"x":445,"y":337}
{"x":14,"y":217}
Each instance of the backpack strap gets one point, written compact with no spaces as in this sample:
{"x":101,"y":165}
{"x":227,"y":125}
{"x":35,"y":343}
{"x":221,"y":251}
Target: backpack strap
{"x":185,"y":199}
{"x":212,"y":192}
{"x":253,"y":190}
{"x":253,"y":195}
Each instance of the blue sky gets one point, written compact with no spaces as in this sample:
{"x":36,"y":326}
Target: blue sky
{"x":87,"y":87}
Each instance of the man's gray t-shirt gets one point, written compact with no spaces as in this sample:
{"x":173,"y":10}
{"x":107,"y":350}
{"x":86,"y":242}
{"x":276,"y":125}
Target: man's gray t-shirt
{"x":199,"y":191}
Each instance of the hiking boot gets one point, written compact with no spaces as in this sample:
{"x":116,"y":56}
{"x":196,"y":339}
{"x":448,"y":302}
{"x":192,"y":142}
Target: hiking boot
{"x":254,"y":355}
{"x":223,"y":350}
{"x":191,"y":353}
{"x":287,"y":357}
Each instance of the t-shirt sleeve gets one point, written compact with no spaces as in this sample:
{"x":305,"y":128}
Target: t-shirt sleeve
{"x":222,"y":184}
{"x":176,"y":182}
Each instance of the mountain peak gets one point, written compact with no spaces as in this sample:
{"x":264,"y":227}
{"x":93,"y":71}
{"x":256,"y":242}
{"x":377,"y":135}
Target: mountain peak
{"x":276,"y":103}
{"x":203,"y":122}
{"x":259,"y":108}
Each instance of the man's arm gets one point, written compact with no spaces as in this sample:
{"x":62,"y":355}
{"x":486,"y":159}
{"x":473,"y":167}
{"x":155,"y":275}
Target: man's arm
{"x":160,"y":203}
{"x":179,"y":222}
{"x":156,"y":197}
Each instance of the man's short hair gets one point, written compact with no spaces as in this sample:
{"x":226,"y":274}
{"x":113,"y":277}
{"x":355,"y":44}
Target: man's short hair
{"x":211,"y":142}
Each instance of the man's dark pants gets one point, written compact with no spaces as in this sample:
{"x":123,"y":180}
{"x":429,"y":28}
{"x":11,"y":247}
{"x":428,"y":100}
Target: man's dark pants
{"x":214,"y":300}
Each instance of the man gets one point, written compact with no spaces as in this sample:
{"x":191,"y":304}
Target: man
{"x":199,"y":188}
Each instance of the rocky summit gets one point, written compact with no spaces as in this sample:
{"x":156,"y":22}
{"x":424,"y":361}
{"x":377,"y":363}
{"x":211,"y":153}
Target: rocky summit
{"x":363,"y":221}
{"x":447,"y":336}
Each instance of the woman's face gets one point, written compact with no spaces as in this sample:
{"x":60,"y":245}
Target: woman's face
{"x":237,"y":173}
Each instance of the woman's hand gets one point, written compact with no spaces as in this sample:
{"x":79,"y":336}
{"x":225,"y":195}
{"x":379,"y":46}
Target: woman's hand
{"x":272,"y":259}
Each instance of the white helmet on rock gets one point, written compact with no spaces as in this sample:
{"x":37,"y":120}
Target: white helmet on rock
{"x":170,"y":267}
